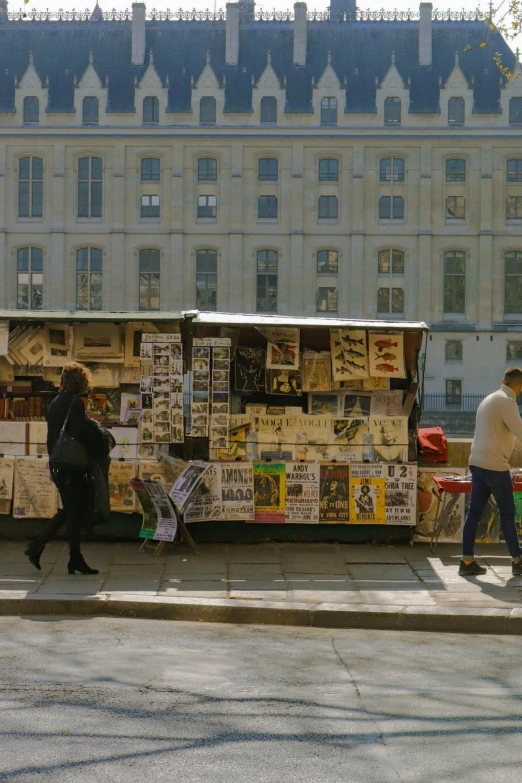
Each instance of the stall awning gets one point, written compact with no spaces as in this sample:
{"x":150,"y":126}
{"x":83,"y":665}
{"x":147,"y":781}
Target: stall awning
{"x":87,"y":316}
{"x":257,"y":319}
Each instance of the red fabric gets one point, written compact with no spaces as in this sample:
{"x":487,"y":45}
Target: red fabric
{"x":433,"y":444}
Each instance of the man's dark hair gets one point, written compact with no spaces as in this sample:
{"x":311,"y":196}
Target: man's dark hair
{"x":512,"y":376}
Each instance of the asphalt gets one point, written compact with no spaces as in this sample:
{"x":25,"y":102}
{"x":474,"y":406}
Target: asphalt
{"x":108,"y":700}
{"x":316,"y":585}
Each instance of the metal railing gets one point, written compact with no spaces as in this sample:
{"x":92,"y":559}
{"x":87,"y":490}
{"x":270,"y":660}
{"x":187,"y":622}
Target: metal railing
{"x":442,"y":403}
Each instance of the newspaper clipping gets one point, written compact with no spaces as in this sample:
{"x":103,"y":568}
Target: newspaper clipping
{"x":6,"y":483}
{"x":367,"y":494}
{"x":237,"y":491}
{"x":34,"y":493}
{"x":187,"y":483}
{"x":206,"y":502}
{"x":302,"y":492}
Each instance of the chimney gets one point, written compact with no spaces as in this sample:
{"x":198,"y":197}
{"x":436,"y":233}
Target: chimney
{"x":425,"y":34}
{"x":232,"y":35}
{"x":138,"y":33}
{"x":300,"y":34}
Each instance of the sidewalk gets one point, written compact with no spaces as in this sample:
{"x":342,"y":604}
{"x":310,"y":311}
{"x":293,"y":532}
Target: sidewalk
{"x":321,"y":585}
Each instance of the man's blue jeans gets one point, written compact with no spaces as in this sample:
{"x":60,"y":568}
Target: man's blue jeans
{"x":486,"y":483}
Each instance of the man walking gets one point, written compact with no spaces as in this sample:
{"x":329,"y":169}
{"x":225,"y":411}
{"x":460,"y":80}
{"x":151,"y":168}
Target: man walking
{"x":498,"y":425}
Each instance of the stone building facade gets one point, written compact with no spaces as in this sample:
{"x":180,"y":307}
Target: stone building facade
{"x":336,"y":164}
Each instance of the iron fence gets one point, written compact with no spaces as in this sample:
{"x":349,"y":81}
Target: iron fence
{"x":443,"y":403}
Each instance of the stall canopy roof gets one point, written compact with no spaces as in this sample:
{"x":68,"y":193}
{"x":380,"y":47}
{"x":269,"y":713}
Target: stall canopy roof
{"x":87,"y":315}
{"x":255,"y":319}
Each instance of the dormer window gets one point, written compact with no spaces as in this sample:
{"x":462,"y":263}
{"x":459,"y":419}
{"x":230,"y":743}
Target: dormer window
{"x":207,"y":111}
{"x":515,"y":111}
{"x":329,"y":111}
{"x":31,"y":109}
{"x":392,"y":111}
{"x":456,"y":113}
{"x":150,"y":110}
{"x":268,"y":110}
{"x":90,"y":111}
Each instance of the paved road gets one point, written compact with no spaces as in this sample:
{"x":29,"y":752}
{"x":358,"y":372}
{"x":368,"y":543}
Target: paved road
{"x":127,"y":700}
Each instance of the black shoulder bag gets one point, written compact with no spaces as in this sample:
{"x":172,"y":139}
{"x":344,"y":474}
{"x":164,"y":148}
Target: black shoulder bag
{"x":68,"y":453}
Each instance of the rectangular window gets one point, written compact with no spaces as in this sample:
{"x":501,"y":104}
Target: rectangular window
{"x":453,"y":351}
{"x":514,"y":170}
{"x":150,"y":170}
{"x":328,"y":208}
{"x":513,"y":350}
{"x":456,"y":108}
{"x":89,"y":279}
{"x":207,"y":170}
{"x":266,"y":281}
{"x":268,"y":170}
{"x":207,"y":111}
{"x":390,"y":261}
{"x":454,"y":282}
{"x":391,"y":169}
{"x":31,"y":109}
{"x":391,"y":208}
{"x":327,"y":300}
{"x":207,"y":207}
{"x":455,"y":208}
{"x":390,"y":300}
{"x":90,"y":187}
{"x":149,"y":280}
{"x":455,"y":170}
{"x":90,"y":111}
{"x":267,"y":207}
{"x":329,"y":111}
{"x":328,"y":170}
{"x":453,"y":392}
{"x":268,"y":109}
{"x":30,"y":187}
{"x":150,"y":206}
{"x":514,"y":208}
{"x":206,"y":280}
{"x":515,"y":111}
{"x":392,"y":111}
{"x":513,"y":282}
{"x":327,"y":262}
{"x":29,"y":266}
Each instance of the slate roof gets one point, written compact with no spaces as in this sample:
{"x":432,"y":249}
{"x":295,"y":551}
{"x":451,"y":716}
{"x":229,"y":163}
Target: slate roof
{"x":360,"y":53}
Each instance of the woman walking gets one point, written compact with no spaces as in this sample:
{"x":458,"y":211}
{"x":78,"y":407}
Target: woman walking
{"x":74,"y":485}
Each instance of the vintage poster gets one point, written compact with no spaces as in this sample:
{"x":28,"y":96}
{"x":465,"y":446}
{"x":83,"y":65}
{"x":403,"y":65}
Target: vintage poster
{"x":312,"y":437}
{"x":200,"y":405}
{"x":126,"y":443}
{"x":98,"y":342}
{"x":152,"y":470}
{"x":129,"y":402}
{"x":344,"y":368}
{"x":206,"y":502}
{"x":275,"y":437}
{"x":218,"y":434}
{"x":387,"y":403}
{"x":302,"y":492}
{"x":376,"y":384}
{"x":120,"y":491}
{"x":334,"y":499}
{"x":12,"y":438}
{"x":282,"y":349}
{"x":269,"y":492}
{"x":240,"y":434}
{"x":348,"y":439}
{"x":57,"y":344}
{"x":323,"y":404}
{"x":149,"y":522}
{"x":284,"y":382}
{"x":386,"y":355}
{"x":389,"y":437}
{"x":37,"y":439}
{"x":4,"y":338}
{"x":317,"y":371}
{"x":167,"y":520}
{"x":354,"y":405}
{"x":133,"y":333}
{"x":353,"y":385}
{"x":401,"y":494}
{"x":427,"y":504}
{"x":355,"y":353}
{"x":6,"y":483}
{"x":237,"y":491}
{"x":250,"y":366}
{"x":185,"y":486}
{"x":367,"y":494}
{"x":35,"y":495}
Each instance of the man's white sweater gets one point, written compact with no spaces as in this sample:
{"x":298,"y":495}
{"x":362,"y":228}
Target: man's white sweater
{"x":498,"y":425}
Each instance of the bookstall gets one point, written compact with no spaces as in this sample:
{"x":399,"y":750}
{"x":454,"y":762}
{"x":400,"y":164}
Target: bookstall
{"x":310,"y":424}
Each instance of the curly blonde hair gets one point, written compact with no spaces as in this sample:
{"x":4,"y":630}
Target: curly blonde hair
{"x":76,"y":378}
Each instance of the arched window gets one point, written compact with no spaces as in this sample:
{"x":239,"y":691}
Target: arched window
{"x":90,"y":184}
{"x":268,"y":169}
{"x":206,"y":279}
{"x":268,"y":110}
{"x":207,"y":111}
{"x":392,"y":111}
{"x":455,"y":170}
{"x":329,"y":111}
{"x":456,"y":111}
{"x":454,"y":282}
{"x":327,"y":262}
{"x":266,"y":281}
{"x":328,"y":170}
{"x":515,"y":111}
{"x":513,"y":282}
{"x":150,"y":110}
{"x":30,"y":187}
{"x":150,"y":169}
{"x":390,"y":291}
{"x":31,"y":109}
{"x":391,"y":170}
{"x":89,"y":278}
{"x":149,"y":280}
{"x":29,"y":278}
{"x":90,"y":110}
{"x":207,"y":170}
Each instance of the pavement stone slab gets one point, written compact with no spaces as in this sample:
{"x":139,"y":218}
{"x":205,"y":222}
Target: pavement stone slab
{"x":76,"y":587}
{"x":384,"y":572}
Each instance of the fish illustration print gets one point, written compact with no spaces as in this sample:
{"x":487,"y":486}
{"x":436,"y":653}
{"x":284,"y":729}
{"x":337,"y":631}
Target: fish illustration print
{"x":353,"y":342}
{"x":382,"y":344}
{"x":352,"y":352}
{"x":386,"y":368}
{"x":387,"y":357}
{"x":355,"y":365}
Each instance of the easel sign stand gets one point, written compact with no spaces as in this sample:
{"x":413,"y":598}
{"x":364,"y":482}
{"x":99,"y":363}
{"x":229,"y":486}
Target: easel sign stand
{"x":162,"y":521}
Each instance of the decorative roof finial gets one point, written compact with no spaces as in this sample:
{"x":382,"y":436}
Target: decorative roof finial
{"x":268,"y":57}
{"x":31,"y":58}
{"x":167,"y":82}
{"x":90,"y":58}
{"x":393,"y":57}
{"x":151,"y":56}
{"x":456,"y":56}
{"x":329,"y":56}
{"x":208,"y":56}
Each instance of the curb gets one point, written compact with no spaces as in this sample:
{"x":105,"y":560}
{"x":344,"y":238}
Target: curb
{"x":440,"y":619}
